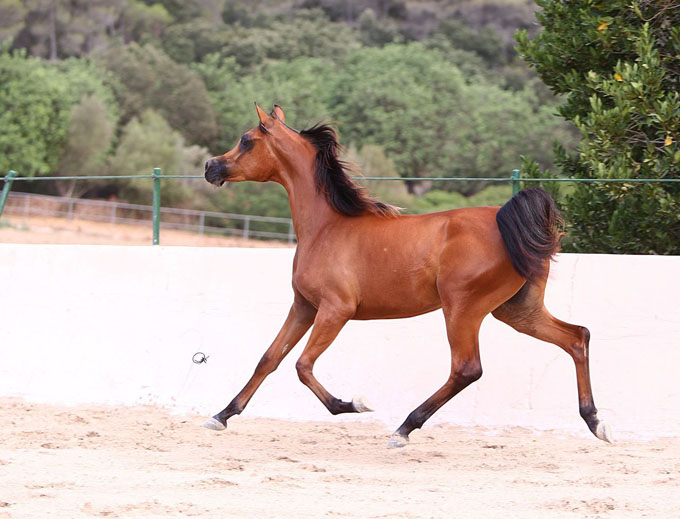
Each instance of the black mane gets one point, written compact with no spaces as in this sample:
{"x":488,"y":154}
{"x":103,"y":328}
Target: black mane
{"x":332,"y":179}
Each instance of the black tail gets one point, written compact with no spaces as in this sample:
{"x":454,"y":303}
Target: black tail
{"x":530,"y":225}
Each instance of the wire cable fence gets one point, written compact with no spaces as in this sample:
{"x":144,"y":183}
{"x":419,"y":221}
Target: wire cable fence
{"x":115,"y":212}
{"x":210,"y":221}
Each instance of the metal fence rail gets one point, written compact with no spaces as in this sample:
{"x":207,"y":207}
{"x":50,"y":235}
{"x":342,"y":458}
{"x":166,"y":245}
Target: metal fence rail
{"x":245,"y":230}
{"x":201,"y":222}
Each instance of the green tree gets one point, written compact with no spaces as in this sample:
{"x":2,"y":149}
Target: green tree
{"x":63,"y":28}
{"x":300,"y":86}
{"x":264,"y":199}
{"x":375,"y":31}
{"x":147,"y":78}
{"x":399,"y":97}
{"x":92,"y":123}
{"x":37,"y":100}
{"x":85,"y":150}
{"x":189,"y":10}
{"x":497,"y":128}
{"x":432,"y":121}
{"x":191,"y":42}
{"x":141,"y":21}
{"x":82,"y":27}
{"x":34,"y":114}
{"x":437,"y":200}
{"x":487,"y":42}
{"x":149,"y":142}
{"x":308,"y":34}
{"x":617,"y":65}
{"x":12,"y":13}
{"x":371,"y":161}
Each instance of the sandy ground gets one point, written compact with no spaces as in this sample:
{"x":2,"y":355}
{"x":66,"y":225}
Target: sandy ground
{"x":76,"y":462}
{"x":36,"y":229}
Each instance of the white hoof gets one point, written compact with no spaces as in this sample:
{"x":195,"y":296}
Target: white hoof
{"x":361,"y":405}
{"x":214,"y":425}
{"x":397,"y":441}
{"x":603,"y":432}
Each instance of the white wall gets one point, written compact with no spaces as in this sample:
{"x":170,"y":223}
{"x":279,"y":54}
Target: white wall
{"x":119,"y":325}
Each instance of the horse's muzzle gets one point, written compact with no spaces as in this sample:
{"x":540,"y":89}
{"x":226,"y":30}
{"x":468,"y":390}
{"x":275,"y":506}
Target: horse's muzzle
{"x":216,"y":171}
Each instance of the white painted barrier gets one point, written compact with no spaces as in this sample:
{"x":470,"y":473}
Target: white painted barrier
{"x":119,"y":325}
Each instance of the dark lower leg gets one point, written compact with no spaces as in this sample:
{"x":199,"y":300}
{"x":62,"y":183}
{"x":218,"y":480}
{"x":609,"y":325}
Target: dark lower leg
{"x":575,"y":340}
{"x":298,"y":322}
{"x":334,"y":405}
{"x":466,"y":367}
{"x":580,"y":354}
{"x":456,"y":383}
{"x":327,"y":325}
{"x":463,"y":334}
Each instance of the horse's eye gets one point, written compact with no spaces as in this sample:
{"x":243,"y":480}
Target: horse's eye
{"x":246,"y":143}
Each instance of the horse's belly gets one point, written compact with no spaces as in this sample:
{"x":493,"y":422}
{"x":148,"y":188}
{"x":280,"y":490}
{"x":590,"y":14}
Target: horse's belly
{"x":367,"y":311}
{"x":403,"y":296}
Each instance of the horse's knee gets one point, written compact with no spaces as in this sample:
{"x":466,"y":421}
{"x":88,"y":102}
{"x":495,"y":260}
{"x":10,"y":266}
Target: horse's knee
{"x":468,"y":372}
{"x":473,"y":373}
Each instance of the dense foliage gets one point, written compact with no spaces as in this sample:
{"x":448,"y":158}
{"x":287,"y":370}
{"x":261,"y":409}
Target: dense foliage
{"x":618,"y":64}
{"x":425,"y":89}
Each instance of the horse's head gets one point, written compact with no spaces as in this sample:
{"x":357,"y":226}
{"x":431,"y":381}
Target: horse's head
{"x":254,"y":157}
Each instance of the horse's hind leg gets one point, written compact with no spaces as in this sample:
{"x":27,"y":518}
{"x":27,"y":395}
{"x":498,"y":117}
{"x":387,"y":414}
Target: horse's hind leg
{"x":300,"y":318}
{"x":526,"y":313}
{"x":466,"y":367}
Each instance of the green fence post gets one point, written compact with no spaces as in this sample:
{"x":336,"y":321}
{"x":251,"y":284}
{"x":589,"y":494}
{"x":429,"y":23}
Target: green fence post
{"x":156,"y":204}
{"x":5,"y":190}
{"x":515,"y":181}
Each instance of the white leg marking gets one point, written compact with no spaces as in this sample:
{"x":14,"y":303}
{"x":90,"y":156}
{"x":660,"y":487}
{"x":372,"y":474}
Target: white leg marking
{"x":214,"y":425}
{"x":397,"y":441}
{"x":361,"y":405}
{"x":603,"y":432}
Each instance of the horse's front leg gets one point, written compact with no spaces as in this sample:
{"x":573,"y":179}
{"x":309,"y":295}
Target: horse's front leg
{"x":328,"y":322}
{"x":300,"y":318}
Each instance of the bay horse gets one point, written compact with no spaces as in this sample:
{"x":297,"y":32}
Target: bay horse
{"x":358,"y":258}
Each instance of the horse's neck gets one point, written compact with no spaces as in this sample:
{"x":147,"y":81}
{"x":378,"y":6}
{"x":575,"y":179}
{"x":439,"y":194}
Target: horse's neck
{"x":309,"y":209}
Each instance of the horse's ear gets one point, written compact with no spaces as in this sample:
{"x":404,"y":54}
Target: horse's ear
{"x":278,"y":112}
{"x":262,"y":115}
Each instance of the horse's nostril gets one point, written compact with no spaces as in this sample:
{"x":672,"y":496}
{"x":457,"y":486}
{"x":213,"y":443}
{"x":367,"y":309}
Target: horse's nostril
{"x":207,"y":165}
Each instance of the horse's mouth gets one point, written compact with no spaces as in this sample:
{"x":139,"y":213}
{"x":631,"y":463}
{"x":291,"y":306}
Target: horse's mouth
{"x":216,"y":181}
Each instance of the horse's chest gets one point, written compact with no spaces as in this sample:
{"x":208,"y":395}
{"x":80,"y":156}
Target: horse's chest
{"x":316,"y":283}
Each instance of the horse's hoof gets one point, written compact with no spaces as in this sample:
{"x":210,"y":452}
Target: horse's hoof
{"x":603,"y":432}
{"x":214,"y":425}
{"x":397,"y":441}
{"x":361,"y":405}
